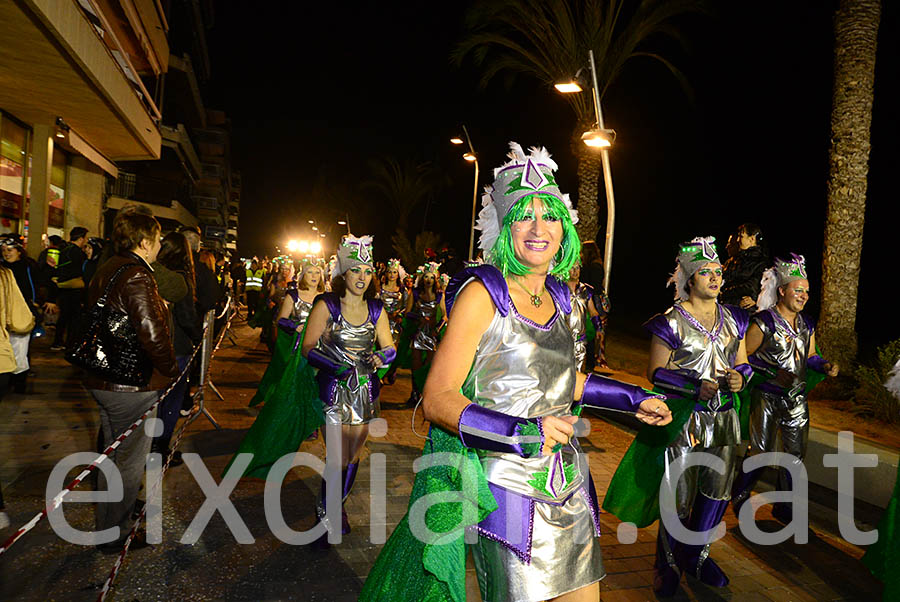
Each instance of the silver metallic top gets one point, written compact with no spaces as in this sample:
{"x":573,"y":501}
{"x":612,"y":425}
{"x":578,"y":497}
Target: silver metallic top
{"x":525,"y":369}
{"x":427,"y":333}
{"x":343,"y":342}
{"x":394,"y":301}
{"x":696,"y":357}
{"x":300,"y":311}
{"x":577,"y":321}
{"x":785,"y":346}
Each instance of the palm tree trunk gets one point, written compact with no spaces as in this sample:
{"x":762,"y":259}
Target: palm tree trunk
{"x":588,"y":190}
{"x":856,"y":33}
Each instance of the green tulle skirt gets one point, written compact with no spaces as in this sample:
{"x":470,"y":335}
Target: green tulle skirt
{"x":281,"y":356}
{"x":292,"y":413}
{"x":883,"y":556}
{"x":411,"y":570}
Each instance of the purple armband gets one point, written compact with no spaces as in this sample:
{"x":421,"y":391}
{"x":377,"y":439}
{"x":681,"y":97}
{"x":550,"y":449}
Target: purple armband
{"x":762,"y":367}
{"x":482,"y":428}
{"x":319,"y":360}
{"x":686,"y":386}
{"x":597,"y":322}
{"x":387,"y":355}
{"x":603,"y":392}
{"x":287,"y":325}
{"x":745,"y":370}
{"x":817,"y":363}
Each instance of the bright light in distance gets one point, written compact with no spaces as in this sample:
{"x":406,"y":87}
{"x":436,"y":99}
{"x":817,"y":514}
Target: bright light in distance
{"x":303,"y":246}
{"x":568,"y":87}
{"x":469,"y":157}
{"x":322,"y":235}
{"x":342,"y":223}
{"x":456,"y":140}
{"x":314,"y":228}
{"x":599,"y":138}
{"x":312,"y":221}
{"x":292,"y":246}
{"x":315,"y":247}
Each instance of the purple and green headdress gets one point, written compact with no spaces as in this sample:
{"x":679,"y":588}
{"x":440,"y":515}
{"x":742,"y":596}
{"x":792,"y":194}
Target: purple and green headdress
{"x":309,"y":262}
{"x":352,"y":252}
{"x":429,"y":267}
{"x":691,"y":257}
{"x":394,"y":264}
{"x":520,"y":178}
{"x":783,"y":272}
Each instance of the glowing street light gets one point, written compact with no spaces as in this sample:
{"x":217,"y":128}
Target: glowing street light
{"x":471,"y":157}
{"x":598,"y":138}
{"x":315,"y":247}
{"x":456,"y":140}
{"x":292,"y":246}
{"x":312,"y":221}
{"x":568,"y":87}
{"x":303,"y":246}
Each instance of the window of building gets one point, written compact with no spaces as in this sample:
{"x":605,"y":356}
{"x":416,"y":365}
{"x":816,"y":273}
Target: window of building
{"x":57,"y":210}
{"x":13,"y":152}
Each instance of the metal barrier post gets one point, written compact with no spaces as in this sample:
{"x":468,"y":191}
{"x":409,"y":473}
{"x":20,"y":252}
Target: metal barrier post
{"x":205,"y":352}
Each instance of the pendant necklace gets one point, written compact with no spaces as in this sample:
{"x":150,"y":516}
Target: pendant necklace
{"x":535,"y":299}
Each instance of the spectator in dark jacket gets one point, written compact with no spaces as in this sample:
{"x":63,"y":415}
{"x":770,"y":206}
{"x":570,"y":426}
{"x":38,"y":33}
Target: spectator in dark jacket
{"x":743,"y":272}
{"x":70,"y":282}
{"x":135,"y":239}
{"x":175,"y":255}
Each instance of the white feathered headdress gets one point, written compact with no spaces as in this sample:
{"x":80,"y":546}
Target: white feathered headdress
{"x":352,"y":252}
{"x":783,"y":272}
{"x":691,"y":257}
{"x":394,"y":263}
{"x":521,"y":176}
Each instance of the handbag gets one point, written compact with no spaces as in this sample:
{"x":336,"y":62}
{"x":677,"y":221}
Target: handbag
{"x":109,"y":346}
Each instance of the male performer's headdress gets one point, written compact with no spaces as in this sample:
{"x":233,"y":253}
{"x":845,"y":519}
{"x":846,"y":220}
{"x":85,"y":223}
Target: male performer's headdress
{"x":691,"y":257}
{"x":520,"y":177}
{"x":783,"y":272}
{"x":353,"y":252}
{"x":394,"y":264}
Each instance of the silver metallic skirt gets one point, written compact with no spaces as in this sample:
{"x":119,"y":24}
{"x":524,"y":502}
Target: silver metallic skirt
{"x":565,"y":555}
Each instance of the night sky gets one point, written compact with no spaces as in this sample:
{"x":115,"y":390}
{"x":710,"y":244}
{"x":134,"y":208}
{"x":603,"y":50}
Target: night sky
{"x":316,"y":90}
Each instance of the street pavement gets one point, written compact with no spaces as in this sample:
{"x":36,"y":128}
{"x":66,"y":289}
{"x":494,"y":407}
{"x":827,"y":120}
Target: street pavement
{"x":59,"y":418}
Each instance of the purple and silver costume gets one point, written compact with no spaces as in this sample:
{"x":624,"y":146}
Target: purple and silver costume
{"x":426,"y":337}
{"x":578,"y":322}
{"x":349,"y":391}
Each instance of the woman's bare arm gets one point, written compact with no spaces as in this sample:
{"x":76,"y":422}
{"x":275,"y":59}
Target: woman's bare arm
{"x":315,"y":326}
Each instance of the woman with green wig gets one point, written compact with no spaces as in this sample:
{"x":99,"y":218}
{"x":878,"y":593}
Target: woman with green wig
{"x":503,"y":398}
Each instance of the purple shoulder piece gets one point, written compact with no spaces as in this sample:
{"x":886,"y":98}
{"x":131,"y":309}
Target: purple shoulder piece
{"x":741,"y":318}
{"x":294,"y":293}
{"x":810,"y":323}
{"x":659,"y":326}
{"x":560,"y":293}
{"x":333,"y":303}
{"x":375,"y":306}
{"x":492,"y":280}
{"x":765,"y":316}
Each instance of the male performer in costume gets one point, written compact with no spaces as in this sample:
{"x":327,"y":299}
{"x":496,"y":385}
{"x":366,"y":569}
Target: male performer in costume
{"x":697,"y":357}
{"x":781,"y":342}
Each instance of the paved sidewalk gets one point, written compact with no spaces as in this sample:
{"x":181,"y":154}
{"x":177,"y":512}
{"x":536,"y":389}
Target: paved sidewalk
{"x":60,"y":418}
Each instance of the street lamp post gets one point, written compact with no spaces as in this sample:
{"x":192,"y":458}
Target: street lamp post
{"x":472,"y":158}
{"x":602,"y":139}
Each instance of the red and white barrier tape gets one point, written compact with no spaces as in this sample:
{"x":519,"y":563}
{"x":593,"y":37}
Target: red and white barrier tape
{"x":58,"y":499}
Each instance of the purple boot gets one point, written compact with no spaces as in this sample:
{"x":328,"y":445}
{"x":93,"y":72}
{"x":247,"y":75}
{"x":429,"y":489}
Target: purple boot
{"x":743,"y":487}
{"x":349,"y":476}
{"x":666,"y":574}
{"x":694,"y":559}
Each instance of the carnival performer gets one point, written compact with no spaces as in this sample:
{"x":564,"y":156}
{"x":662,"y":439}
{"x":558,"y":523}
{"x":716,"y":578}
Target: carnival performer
{"x":698,"y":358}
{"x":584,"y":321}
{"x":293,"y":310}
{"x":781,"y":343}
{"x":342,"y":330}
{"x":292,"y":410}
{"x":279,"y":283}
{"x":501,"y":397}
{"x":883,"y":556}
{"x":426,"y":310}
{"x":393,"y":295}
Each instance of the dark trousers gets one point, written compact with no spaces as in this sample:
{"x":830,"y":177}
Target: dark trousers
{"x":4,"y":383}
{"x":117,"y":412}
{"x":69,"y":301}
{"x":170,"y":408}
{"x":252,"y":302}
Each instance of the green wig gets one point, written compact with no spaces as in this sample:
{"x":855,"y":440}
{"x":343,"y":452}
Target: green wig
{"x":503,"y":256}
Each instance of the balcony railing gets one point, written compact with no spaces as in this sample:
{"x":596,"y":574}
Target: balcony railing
{"x":150,"y":189}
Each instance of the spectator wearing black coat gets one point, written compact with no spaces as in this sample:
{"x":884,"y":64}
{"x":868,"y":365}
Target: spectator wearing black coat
{"x":70,"y":282}
{"x":743,"y":272}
